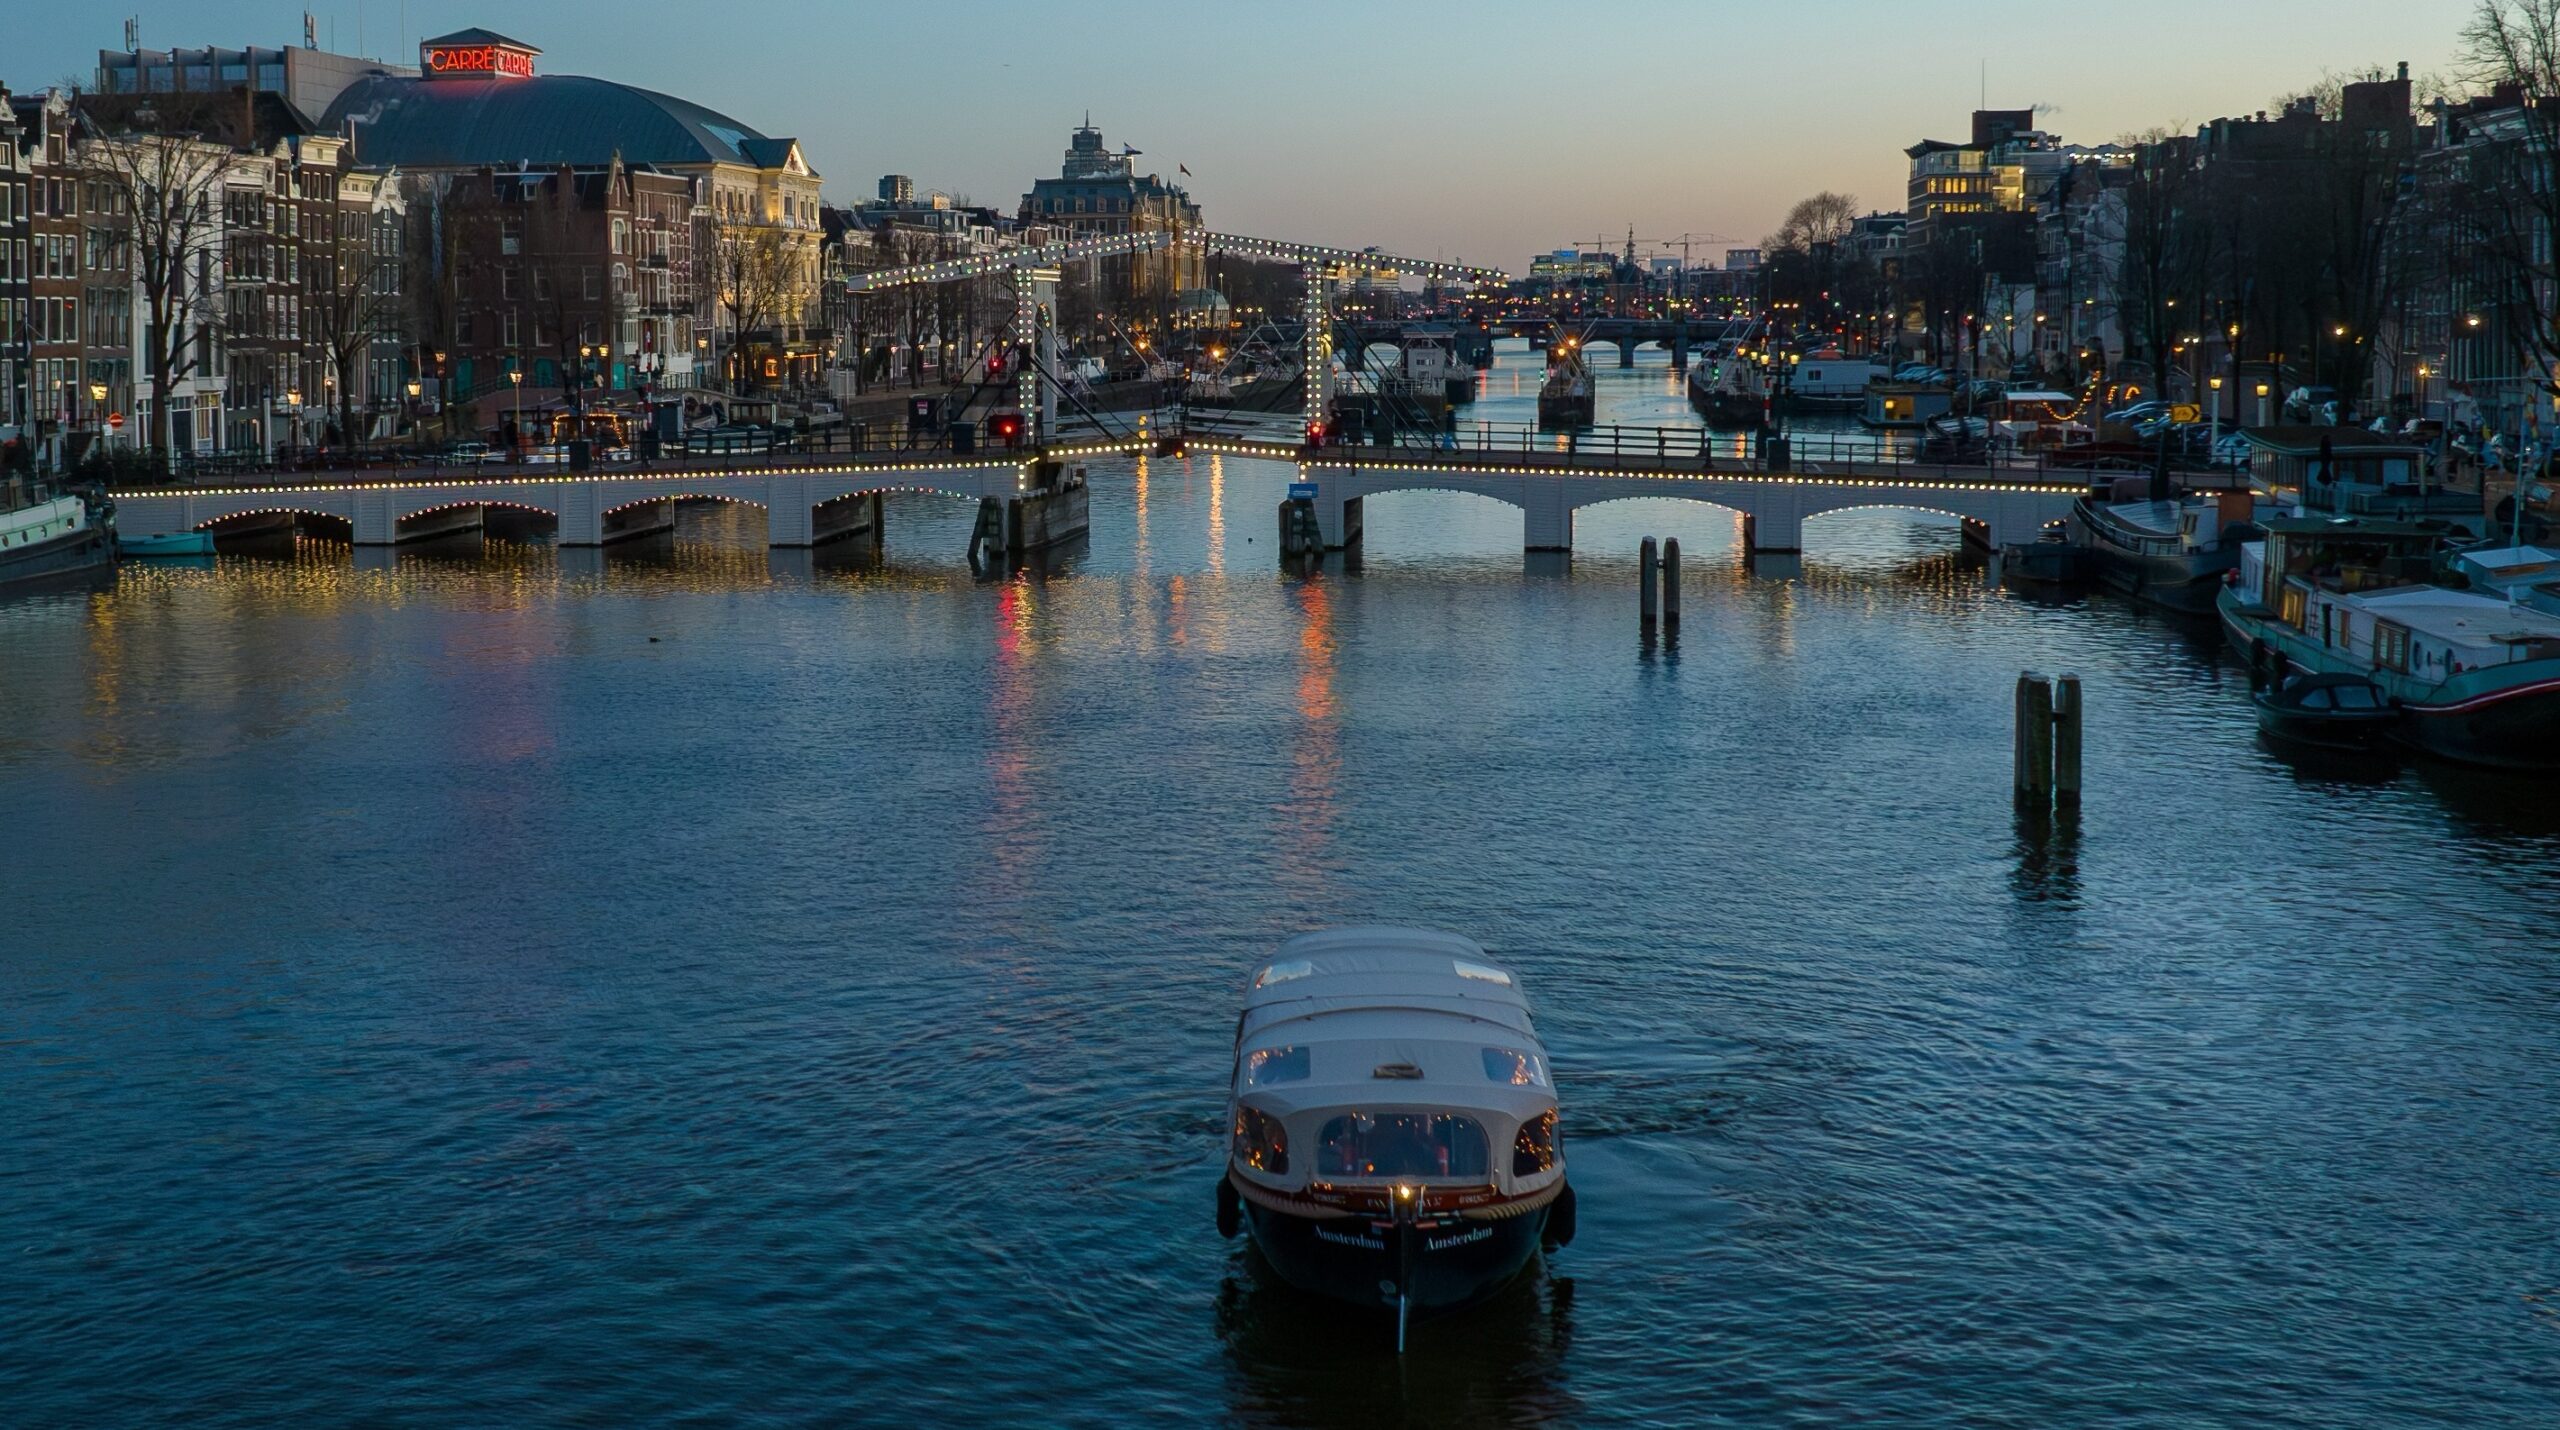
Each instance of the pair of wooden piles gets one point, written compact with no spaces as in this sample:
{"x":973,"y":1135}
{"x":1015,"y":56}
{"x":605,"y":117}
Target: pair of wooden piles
{"x":2045,"y":750}
{"x":1658,"y":587}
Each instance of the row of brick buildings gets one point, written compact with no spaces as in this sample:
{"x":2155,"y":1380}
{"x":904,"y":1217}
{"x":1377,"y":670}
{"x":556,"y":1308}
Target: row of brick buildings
{"x":2333,"y":244}
{"x":303,"y":247}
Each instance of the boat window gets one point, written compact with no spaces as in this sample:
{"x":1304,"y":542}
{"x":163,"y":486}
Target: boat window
{"x":1479,"y":971}
{"x":2390,"y":645}
{"x":2314,"y":700}
{"x":1512,"y":1066}
{"x":1259,"y":1141}
{"x":2355,"y":697}
{"x":1283,"y":972}
{"x":1265,"y":1066}
{"x":1534,"y":1150}
{"x":1402,"y":1144}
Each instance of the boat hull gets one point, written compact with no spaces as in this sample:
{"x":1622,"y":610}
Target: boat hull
{"x":1454,"y":1264}
{"x":2512,"y":729}
{"x":87,"y":554}
{"x":2334,"y":730}
{"x":2185,"y":582}
{"x":1570,"y":410}
{"x":1728,"y":411}
{"x":2515,"y":725}
{"x":176,"y":543}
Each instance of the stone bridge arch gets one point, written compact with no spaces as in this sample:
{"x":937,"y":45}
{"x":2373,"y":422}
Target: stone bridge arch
{"x":271,"y":508}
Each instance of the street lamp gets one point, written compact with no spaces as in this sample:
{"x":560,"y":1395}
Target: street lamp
{"x":515,"y":377}
{"x":2214,"y":435}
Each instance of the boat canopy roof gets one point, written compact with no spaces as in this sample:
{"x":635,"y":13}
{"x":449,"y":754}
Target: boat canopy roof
{"x":1365,"y":1017}
{"x":2462,"y":615}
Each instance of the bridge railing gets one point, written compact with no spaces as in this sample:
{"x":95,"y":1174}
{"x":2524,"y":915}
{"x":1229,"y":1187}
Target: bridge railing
{"x":1807,"y":453}
{"x":700,"y":450}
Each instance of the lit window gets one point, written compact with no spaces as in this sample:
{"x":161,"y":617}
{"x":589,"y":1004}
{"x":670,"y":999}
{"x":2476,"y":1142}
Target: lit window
{"x":1259,"y":1141}
{"x":1401,"y":1144}
{"x":1514,"y":1067}
{"x":1534,"y":1150}
{"x":1265,"y":1066}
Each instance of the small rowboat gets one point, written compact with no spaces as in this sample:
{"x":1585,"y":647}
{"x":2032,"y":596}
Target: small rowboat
{"x":2332,"y":712}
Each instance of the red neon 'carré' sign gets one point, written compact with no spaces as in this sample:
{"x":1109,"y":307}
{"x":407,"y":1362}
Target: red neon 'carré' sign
{"x":478,"y":59}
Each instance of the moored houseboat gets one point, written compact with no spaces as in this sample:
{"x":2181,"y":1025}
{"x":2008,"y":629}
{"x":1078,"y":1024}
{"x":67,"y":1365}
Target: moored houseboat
{"x":1391,"y":1122}
{"x":1905,"y":404}
{"x":2172,"y":554}
{"x":1567,"y":398}
{"x":1825,"y":381}
{"x":2475,"y":677}
{"x":1729,"y":394}
{"x":49,"y":538}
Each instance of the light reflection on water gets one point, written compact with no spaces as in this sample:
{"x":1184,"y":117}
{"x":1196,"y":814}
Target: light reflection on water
{"x":607,"y":986}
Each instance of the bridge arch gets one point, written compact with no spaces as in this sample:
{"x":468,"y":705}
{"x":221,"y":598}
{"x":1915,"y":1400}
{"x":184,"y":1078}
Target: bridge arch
{"x":459,"y":504}
{"x":894,"y":489}
{"x":1444,"y":488}
{"x":300,"y":514}
{"x":1722,"y":500}
{"x":653,"y":498}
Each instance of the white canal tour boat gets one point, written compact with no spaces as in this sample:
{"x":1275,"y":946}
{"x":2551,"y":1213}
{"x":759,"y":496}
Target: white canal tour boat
{"x":1391,"y":1122}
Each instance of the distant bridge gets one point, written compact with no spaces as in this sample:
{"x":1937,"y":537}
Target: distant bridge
{"x":809,"y":501}
{"x":804,"y":503}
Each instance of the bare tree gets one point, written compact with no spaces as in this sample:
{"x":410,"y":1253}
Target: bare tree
{"x":751,"y":271}
{"x":355,"y":302}
{"x":2512,"y":203}
{"x":2167,"y":244}
{"x":164,"y":158}
{"x":436,"y":247}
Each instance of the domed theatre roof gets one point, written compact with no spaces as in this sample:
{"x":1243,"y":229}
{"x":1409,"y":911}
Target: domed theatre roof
{"x":541,"y":121}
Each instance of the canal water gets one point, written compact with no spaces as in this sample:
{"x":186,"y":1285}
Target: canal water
{"x":502,"y":986}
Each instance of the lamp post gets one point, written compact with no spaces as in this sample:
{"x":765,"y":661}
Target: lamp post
{"x":2213,"y":435}
{"x":515,"y":377}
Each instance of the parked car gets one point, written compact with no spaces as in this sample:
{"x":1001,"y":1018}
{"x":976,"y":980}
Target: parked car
{"x":2311,"y":403}
{"x":2146,"y":411}
{"x":473,"y":452}
{"x":2231,"y":452}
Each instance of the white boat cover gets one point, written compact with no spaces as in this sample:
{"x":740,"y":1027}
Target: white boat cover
{"x":1375,"y":1021}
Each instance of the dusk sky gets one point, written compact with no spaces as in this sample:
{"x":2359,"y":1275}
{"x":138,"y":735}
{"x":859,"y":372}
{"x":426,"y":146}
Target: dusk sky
{"x":1487,"y":130}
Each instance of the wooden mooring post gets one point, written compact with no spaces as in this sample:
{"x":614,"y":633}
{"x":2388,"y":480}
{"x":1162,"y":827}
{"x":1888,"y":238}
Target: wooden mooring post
{"x":1647,"y":596}
{"x":2045,"y":748}
{"x":1671,"y":588}
{"x":2031,"y":750}
{"x":2066,"y":741}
